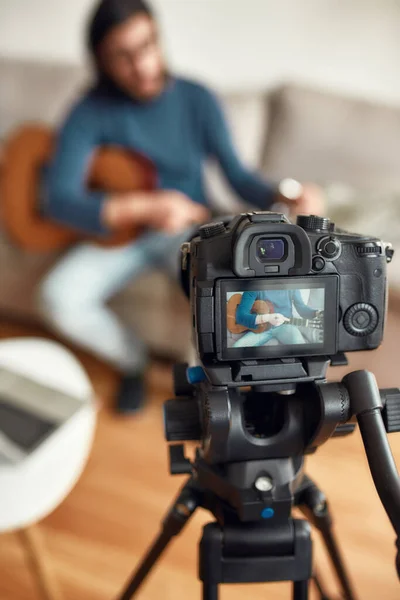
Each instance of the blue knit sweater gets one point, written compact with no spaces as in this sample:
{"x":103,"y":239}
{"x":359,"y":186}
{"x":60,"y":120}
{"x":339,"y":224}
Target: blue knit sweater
{"x":177,"y":131}
{"x":282,"y":300}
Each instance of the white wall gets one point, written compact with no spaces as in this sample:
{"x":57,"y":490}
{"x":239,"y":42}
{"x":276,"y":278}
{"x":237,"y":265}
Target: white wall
{"x":346,"y":45}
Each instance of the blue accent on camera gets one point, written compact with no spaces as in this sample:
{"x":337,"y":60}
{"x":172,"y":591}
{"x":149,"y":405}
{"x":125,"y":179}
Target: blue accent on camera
{"x":195,"y":375}
{"x":267,"y":513}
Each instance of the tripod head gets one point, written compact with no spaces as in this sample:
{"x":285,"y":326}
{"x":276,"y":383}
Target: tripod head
{"x":252,"y":441}
{"x":270,"y":418}
{"x":248,"y":472}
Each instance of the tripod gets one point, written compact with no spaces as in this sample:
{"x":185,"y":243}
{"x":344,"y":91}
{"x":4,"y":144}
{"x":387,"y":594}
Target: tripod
{"x":254,"y":538}
{"x":255,"y":553}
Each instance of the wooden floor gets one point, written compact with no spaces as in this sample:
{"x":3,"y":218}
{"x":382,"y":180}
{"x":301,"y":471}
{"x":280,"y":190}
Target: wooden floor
{"x":99,"y":533}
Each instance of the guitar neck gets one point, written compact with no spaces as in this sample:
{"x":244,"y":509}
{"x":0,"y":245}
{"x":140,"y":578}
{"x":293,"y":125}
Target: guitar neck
{"x":314,"y":323}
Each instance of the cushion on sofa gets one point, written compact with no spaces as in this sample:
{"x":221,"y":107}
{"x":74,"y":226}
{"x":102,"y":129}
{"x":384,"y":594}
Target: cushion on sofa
{"x":33,"y":91}
{"x":248,"y":118}
{"x":372,"y":212}
{"x":322,"y":137}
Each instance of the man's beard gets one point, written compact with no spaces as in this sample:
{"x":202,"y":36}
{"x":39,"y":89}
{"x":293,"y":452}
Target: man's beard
{"x":156,"y":89}
{"x":108,"y":85}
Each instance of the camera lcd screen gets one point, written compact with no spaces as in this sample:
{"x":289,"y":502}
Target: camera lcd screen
{"x":264,"y":318}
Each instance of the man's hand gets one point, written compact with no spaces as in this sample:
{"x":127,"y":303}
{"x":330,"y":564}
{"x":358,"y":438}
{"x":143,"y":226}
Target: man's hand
{"x":173,"y":212}
{"x":163,"y":210}
{"x":274,"y":319}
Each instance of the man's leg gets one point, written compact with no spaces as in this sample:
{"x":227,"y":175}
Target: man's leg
{"x":74,"y":296}
{"x":288,"y":334}
{"x":251,"y":339}
{"x":168,"y":252}
{"x":285,"y":334}
{"x":170,"y":260}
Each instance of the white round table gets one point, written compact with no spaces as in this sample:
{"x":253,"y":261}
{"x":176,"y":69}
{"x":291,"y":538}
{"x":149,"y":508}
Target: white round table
{"x":34,"y":487}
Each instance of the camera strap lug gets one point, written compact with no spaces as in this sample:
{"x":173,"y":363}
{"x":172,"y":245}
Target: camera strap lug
{"x":185,"y":251}
{"x":389,"y":253}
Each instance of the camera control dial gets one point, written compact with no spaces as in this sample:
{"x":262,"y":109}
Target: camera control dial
{"x":329,"y":247}
{"x":361,"y":319}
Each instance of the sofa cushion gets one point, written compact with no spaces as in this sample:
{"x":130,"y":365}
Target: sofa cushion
{"x":158,"y":311}
{"x":373,"y":212}
{"x":248,"y":118}
{"x":318,"y":136}
{"x":151,"y":305}
{"x":20,"y":271}
{"x":32,"y":91}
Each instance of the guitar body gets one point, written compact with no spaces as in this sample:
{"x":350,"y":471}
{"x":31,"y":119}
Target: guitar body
{"x":264,"y":307}
{"x":113,"y":170}
{"x":260,"y":307}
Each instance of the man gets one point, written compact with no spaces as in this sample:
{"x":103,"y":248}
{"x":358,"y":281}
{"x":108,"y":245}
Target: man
{"x":137,"y":104}
{"x":280,"y":330}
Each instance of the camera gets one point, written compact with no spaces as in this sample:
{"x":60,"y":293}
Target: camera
{"x":264,"y":291}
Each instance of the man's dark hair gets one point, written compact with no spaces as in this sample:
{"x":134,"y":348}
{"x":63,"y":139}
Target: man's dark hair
{"x":107,"y":15}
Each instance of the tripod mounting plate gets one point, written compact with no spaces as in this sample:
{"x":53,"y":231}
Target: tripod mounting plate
{"x":274,"y":374}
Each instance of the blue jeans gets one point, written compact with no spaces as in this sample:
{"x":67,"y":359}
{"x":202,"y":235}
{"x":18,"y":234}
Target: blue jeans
{"x":285,"y":334}
{"x":74,"y":294}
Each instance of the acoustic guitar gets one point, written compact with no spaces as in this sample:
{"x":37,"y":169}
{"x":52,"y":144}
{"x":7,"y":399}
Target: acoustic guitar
{"x":26,"y":153}
{"x":262,"y":307}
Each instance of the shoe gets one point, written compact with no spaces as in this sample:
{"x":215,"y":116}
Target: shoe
{"x":131,"y":394}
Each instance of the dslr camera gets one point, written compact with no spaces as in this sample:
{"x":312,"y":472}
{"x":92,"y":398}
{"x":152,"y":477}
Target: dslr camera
{"x":265,"y":294}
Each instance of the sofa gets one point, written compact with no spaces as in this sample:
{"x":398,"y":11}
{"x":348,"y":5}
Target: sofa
{"x":347,"y":145}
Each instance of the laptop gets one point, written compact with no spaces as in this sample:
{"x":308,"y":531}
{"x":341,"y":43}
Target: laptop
{"x":30,"y":412}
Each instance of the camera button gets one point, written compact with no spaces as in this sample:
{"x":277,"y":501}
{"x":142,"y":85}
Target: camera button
{"x":271,"y":269}
{"x":329,"y":247}
{"x":318,"y":263}
{"x":361,"y":319}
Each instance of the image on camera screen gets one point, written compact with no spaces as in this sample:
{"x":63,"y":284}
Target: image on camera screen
{"x":279,"y":316}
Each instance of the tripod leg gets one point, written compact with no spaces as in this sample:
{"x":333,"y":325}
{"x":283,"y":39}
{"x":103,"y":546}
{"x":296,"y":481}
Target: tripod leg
{"x":183,"y":508}
{"x":312,"y":502}
{"x":320,"y":588}
{"x":300,"y":590}
{"x":210,"y":591}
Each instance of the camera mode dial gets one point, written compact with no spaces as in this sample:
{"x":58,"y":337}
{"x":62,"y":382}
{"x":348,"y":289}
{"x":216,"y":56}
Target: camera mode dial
{"x":210,"y":230}
{"x":315,"y":223}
